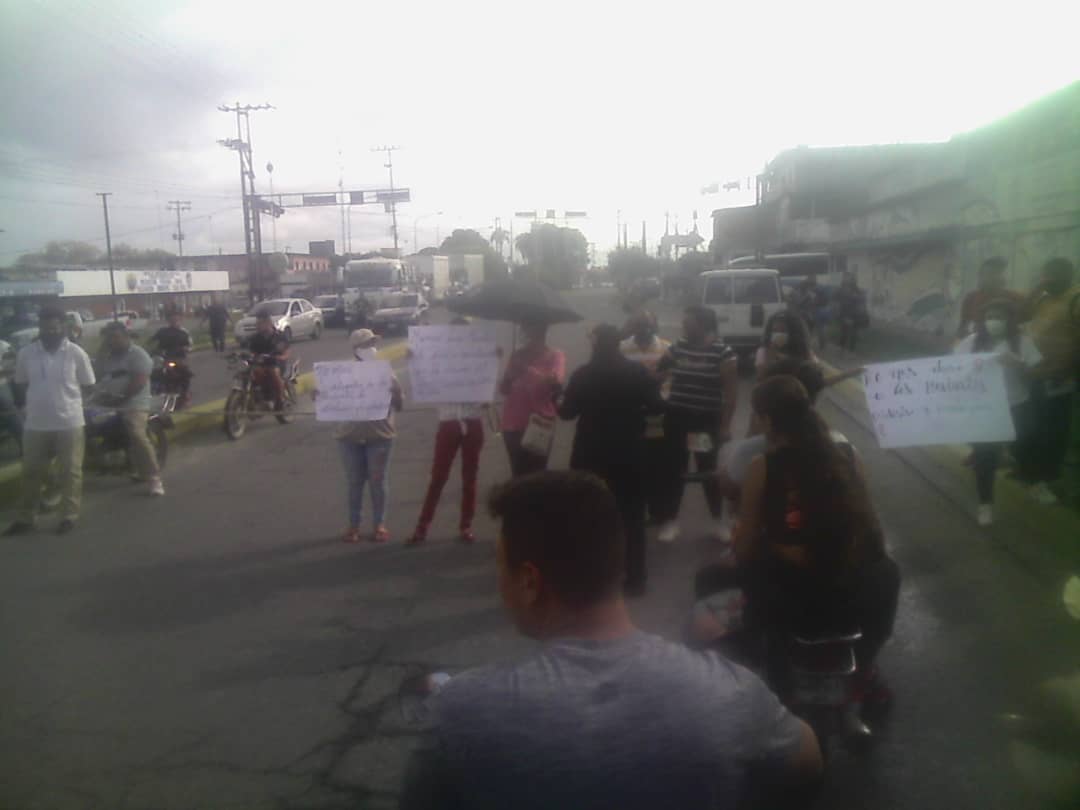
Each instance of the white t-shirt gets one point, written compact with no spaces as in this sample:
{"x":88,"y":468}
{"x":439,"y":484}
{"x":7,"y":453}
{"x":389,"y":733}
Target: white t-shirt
{"x":1016,"y":387}
{"x":735,"y":457}
{"x":54,"y":383}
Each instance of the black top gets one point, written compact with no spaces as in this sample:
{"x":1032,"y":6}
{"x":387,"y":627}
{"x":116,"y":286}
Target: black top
{"x":696,"y":382}
{"x":274,"y":344}
{"x":610,"y":400}
{"x":173,"y":341}
{"x":218,"y":316}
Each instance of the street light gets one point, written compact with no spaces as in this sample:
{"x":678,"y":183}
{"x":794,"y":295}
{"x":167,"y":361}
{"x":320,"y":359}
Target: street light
{"x":416,"y":221}
{"x":273,"y":220}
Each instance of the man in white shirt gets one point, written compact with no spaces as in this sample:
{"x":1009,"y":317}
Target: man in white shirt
{"x":52,"y":373}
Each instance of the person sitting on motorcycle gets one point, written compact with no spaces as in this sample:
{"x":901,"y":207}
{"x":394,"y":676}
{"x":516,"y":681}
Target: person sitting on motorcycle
{"x":173,"y":342}
{"x":809,"y":548}
{"x":270,"y":350}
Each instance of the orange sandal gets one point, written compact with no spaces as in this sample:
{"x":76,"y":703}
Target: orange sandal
{"x":382,"y":535}
{"x":351,"y":535}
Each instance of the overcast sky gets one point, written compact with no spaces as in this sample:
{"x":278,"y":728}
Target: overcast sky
{"x":497,"y":106}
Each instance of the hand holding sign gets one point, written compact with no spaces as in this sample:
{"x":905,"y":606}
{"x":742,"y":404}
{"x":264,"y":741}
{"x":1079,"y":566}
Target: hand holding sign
{"x":353,"y":392}
{"x":958,"y":399}
{"x":453,"y":363}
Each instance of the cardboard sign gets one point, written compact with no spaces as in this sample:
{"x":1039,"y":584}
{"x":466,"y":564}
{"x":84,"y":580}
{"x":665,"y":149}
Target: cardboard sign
{"x":352,"y":391}
{"x":451,"y":364}
{"x":957,"y":399}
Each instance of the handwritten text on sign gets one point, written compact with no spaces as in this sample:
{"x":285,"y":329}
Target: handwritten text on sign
{"x":939,"y":400}
{"x":453,"y":363}
{"x":351,"y":391}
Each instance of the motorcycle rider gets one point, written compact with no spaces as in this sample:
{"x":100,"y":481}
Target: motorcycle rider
{"x":125,"y":386}
{"x":173,"y":342}
{"x":270,"y":349}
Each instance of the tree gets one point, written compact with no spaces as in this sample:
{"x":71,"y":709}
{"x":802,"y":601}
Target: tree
{"x":628,"y":265}
{"x":555,"y":255}
{"x":126,"y":255}
{"x":62,"y":252}
{"x":465,"y":241}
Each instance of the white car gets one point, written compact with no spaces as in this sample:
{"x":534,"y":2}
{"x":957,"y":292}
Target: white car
{"x":399,"y":311}
{"x":293,"y":317}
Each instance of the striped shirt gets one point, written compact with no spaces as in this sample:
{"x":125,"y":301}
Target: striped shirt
{"x":696,"y":379}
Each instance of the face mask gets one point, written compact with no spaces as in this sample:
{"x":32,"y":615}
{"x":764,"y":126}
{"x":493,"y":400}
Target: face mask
{"x":362,"y":353}
{"x":996,"y":329}
{"x":779,"y":339}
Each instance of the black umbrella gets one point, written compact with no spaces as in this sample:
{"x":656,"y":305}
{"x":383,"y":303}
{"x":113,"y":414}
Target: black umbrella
{"x":516,"y":301}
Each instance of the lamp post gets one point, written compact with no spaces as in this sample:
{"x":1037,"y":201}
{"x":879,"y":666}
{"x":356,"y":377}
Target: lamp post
{"x":416,"y":221}
{"x":273,"y":219}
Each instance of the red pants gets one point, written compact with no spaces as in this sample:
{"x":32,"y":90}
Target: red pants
{"x":447,"y":441}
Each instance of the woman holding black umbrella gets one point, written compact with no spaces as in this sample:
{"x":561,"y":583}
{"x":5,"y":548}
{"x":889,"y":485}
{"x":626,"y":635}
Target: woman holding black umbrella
{"x":532,"y":382}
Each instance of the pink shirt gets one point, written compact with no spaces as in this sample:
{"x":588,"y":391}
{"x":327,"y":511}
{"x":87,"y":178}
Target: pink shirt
{"x":530,"y":391}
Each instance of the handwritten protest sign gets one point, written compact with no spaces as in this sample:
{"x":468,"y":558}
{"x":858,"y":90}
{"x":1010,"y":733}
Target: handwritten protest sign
{"x":939,"y":400}
{"x":453,"y":363}
{"x":352,"y":392}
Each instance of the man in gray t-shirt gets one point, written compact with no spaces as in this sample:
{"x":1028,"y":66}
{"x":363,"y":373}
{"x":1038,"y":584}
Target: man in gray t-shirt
{"x":603,"y":716}
{"x":124,"y":384}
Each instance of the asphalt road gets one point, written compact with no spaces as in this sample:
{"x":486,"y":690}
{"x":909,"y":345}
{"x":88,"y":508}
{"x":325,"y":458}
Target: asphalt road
{"x":221,"y":648}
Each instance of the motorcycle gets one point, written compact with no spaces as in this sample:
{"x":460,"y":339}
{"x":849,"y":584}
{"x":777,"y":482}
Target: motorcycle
{"x":171,"y":378}
{"x":249,"y":401}
{"x":107,"y":443}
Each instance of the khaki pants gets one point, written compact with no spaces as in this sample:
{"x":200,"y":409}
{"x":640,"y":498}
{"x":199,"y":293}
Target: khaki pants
{"x":40,"y":447}
{"x":142,"y":452}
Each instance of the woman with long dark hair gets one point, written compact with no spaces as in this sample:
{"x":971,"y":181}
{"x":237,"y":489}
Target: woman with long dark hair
{"x":808,"y":542}
{"x":997,"y":331}
{"x":786,"y":337}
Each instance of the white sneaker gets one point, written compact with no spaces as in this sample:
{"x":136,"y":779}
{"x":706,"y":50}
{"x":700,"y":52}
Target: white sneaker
{"x":984,"y":516}
{"x":669,"y":532}
{"x":1043,"y":494}
{"x":722,"y":533}
{"x":156,"y":487}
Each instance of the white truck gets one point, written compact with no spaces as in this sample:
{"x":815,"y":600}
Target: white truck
{"x":467,"y":269}
{"x":433,"y":272}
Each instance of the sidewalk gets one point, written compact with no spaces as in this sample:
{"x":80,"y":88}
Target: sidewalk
{"x":1046,"y":540}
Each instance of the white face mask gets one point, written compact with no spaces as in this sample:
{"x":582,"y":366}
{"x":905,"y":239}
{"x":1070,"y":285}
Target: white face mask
{"x":779,"y":339}
{"x":996,"y":329}
{"x":363,"y":353}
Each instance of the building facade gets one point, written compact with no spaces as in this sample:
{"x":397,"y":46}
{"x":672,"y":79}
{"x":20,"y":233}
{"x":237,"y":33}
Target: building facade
{"x":914,"y":221}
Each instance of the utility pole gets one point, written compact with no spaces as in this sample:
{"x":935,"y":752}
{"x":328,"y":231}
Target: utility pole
{"x":108,"y":250}
{"x":252,"y":225}
{"x":393,"y":202}
{"x":178,"y":206}
{"x":341,"y":192}
{"x":273,"y":220}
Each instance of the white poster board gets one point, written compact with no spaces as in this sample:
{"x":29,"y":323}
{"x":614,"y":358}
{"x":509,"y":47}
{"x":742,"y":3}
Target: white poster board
{"x":351,"y":391}
{"x":957,"y":399}
{"x":453,"y":363}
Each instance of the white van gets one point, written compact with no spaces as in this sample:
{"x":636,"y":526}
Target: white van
{"x":743,"y":300}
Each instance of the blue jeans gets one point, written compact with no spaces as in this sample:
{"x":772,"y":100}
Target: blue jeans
{"x":369,"y":464}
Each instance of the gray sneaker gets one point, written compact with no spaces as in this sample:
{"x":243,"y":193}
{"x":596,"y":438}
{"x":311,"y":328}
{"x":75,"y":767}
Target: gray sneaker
{"x":156,"y":487}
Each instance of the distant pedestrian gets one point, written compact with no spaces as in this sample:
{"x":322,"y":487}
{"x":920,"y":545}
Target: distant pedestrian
{"x":997,"y":331}
{"x":1054,"y":308}
{"x":51,"y":375}
{"x":533,"y":379}
{"x":701,"y":405}
{"x":646,"y":347}
{"x":786,"y":337}
{"x":991,"y":287}
{"x":218,"y":317}
{"x":850,"y":312}
{"x":808,"y":302}
{"x":461,"y":426}
{"x":365,"y":449}
{"x":125,"y":386}
{"x":610,"y":397}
